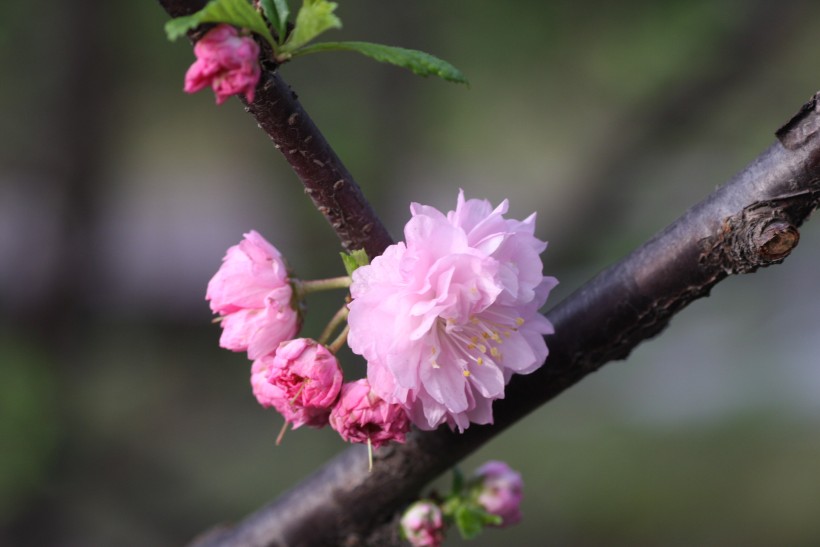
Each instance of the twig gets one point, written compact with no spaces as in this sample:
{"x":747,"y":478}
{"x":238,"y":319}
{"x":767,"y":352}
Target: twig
{"x":327,"y":181}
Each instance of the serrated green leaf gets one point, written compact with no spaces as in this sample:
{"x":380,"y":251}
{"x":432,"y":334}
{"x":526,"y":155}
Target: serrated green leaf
{"x":420,"y":63}
{"x":277,"y":12}
{"x":354,"y":260}
{"x":314,"y":18}
{"x":238,"y":13}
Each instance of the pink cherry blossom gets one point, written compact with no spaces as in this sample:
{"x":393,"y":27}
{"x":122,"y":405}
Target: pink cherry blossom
{"x":360,"y":415}
{"x":252,"y":292}
{"x":500,"y":492}
{"x":302,"y":380}
{"x":423,"y":524}
{"x":446,"y":318}
{"x":227,"y":62}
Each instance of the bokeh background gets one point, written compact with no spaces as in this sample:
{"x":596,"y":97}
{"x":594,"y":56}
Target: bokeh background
{"x":122,"y":422}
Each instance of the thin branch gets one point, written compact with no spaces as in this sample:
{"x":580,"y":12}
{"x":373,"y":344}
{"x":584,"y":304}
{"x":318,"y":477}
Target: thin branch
{"x":327,"y":181}
{"x":750,"y":222}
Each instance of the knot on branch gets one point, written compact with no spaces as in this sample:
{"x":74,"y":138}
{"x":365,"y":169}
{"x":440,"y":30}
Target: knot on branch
{"x":760,"y":235}
{"x":776,"y":240}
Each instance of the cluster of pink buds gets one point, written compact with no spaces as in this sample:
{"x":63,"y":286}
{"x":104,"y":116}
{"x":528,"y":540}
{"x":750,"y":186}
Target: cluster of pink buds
{"x":443,"y":319}
{"x":259,"y":307}
{"x":491,"y":498}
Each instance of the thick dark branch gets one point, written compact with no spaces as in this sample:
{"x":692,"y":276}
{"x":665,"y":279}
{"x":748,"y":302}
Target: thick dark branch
{"x":750,"y":222}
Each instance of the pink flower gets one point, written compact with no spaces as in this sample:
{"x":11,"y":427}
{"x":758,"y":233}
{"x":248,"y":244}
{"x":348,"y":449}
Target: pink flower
{"x":447,"y":317}
{"x":301,"y":380}
{"x":423,"y":524}
{"x":227,"y":62}
{"x":360,"y":415}
{"x":500,"y":492}
{"x":252,"y":292}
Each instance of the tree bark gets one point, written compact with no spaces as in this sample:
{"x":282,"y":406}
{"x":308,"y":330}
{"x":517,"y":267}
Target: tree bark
{"x":750,"y":222}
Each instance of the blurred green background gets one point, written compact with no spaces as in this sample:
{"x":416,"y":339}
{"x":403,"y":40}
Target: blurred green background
{"x":122,"y":422}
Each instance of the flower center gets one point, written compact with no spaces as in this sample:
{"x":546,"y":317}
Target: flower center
{"x":478,"y":341}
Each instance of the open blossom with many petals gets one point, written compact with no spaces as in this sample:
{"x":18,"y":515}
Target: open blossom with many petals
{"x":500,"y":492}
{"x":445,"y":318}
{"x":227,"y":62}
{"x":302,"y":380}
{"x":423,"y":524}
{"x":252,"y":292}
{"x":361,"y":415}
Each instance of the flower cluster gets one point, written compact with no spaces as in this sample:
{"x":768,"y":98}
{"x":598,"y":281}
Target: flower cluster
{"x":259,"y":307}
{"x":225,"y":61}
{"x":491,"y":498}
{"x":445,"y":318}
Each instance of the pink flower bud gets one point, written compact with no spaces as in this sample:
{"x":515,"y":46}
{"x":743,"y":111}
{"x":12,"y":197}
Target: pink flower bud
{"x":227,"y":62}
{"x":301,"y":380}
{"x":252,"y":291}
{"x":423,"y":524}
{"x":360,"y":415}
{"x":500,"y":491}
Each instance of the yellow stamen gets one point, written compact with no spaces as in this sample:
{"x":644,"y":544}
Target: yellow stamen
{"x":466,"y":373}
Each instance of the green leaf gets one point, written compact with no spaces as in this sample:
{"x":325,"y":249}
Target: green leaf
{"x":238,"y":13}
{"x":420,"y":63}
{"x":354,"y":259}
{"x":468,"y":522}
{"x":314,"y":18}
{"x":471,"y":520}
{"x":277,"y":12}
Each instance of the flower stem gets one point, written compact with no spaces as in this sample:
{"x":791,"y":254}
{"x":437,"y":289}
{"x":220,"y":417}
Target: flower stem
{"x":369,"y":455}
{"x":316,"y":285}
{"x":340,"y":340}
{"x":333,"y":324}
{"x":299,"y":392}
{"x":282,"y":433}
